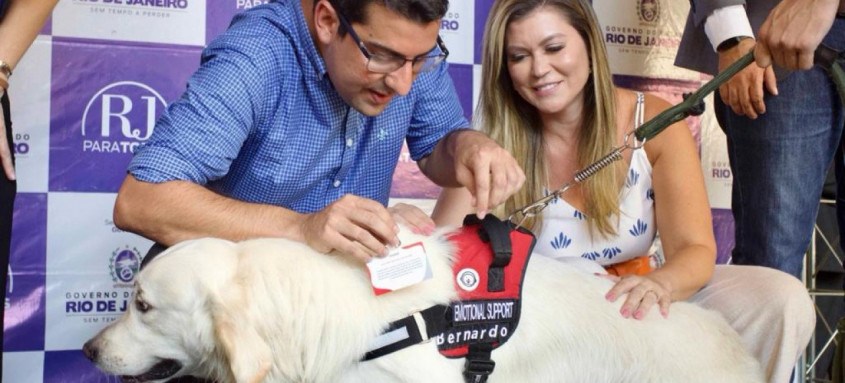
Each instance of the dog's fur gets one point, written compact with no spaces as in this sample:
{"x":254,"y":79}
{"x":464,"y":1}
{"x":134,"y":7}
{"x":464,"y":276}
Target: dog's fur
{"x":272,"y":310}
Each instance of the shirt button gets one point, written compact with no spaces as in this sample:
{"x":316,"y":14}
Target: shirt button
{"x":349,"y":142}
{"x":336,"y":183}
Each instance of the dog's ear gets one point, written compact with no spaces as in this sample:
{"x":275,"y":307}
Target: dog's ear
{"x":248,"y":355}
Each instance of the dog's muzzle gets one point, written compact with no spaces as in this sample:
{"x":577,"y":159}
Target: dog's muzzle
{"x":161,"y":370}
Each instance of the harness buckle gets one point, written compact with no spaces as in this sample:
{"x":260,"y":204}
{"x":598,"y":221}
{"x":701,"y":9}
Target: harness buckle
{"x":478,"y":369}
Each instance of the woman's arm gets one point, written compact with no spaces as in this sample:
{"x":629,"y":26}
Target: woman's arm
{"x":452,"y":206}
{"x":682,"y":215}
{"x":20,"y":25}
{"x":682,"y":211}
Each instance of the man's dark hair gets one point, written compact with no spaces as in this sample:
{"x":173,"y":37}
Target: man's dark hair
{"x":420,"y":11}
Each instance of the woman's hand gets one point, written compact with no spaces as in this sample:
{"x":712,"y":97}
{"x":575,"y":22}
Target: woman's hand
{"x":643,"y":293}
{"x":412,"y":217}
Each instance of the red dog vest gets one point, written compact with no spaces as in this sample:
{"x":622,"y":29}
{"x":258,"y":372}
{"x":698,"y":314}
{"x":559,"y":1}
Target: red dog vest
{"x":488,"y":270}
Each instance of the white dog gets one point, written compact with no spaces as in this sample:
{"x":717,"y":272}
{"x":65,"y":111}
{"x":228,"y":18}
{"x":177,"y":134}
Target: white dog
{"x":273,"y":310}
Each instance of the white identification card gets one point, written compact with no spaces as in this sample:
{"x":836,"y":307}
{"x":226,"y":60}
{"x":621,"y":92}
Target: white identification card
{"x":403,"y":267}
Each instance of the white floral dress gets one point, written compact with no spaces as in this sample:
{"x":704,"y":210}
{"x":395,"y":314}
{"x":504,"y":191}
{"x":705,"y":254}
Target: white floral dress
{"x":565,"y":234}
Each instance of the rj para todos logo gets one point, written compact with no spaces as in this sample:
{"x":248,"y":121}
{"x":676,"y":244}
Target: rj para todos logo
{"x":132,"y":106}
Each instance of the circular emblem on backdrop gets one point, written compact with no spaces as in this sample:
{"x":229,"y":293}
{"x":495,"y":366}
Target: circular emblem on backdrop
{"x":648,"y":10}
{"x":124,"y":265}
{"x":467,"y":279}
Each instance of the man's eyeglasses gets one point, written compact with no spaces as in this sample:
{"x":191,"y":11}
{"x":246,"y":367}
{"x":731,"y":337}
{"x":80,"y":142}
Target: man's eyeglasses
{"x":388,"y":63}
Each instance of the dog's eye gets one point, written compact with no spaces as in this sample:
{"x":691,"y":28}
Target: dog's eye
{"x":142,"y":306}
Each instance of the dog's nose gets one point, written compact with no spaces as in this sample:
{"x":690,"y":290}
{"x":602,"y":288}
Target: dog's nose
{"x":90,"y":350}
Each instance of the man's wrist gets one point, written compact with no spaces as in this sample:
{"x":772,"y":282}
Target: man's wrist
{"x":439,"y":164}
{"x":730,"y":43}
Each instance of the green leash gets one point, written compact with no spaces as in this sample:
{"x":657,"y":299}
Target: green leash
{"x":834,"y":63}
{"x":693,"y":103}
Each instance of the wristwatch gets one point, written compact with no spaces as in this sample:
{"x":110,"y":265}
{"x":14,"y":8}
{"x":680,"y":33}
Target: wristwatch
{"x":730,"y":43}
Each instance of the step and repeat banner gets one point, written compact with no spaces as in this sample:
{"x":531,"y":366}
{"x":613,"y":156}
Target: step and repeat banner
{"x":89,"y":90}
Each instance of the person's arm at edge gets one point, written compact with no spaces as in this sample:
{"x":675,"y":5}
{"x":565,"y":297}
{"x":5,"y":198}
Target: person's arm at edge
{"x":20,"y":26}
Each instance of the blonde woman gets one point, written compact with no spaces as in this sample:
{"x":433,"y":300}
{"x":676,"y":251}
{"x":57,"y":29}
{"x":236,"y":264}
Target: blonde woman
{"x":547,"y":96}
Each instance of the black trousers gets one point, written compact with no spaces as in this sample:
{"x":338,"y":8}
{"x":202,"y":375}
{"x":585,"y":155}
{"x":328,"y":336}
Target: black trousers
{"x":7,"y":201}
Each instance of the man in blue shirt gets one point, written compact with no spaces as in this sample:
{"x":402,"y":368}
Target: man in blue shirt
{"x":293,"y":124}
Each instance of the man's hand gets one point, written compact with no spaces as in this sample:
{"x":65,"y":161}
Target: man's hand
{"x":352,"y":225}
{"x":5,"y":150}
{"x":487,"y":170}
{"x":793,"y":31}
{"x":744,"y":91}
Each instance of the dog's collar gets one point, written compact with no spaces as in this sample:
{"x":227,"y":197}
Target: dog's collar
{"x":151,"y":254}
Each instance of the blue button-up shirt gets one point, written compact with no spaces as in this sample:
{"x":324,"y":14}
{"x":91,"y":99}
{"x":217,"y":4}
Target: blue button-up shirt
{"x":261,"y":122}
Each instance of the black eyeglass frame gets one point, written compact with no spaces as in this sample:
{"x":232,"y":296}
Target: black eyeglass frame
{"x":435,"y":59}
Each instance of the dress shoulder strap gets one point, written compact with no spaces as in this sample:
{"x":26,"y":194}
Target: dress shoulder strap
{"x":639,"y":114}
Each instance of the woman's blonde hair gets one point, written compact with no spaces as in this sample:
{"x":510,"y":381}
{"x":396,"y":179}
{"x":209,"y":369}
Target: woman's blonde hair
{"x":515,"y":124}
